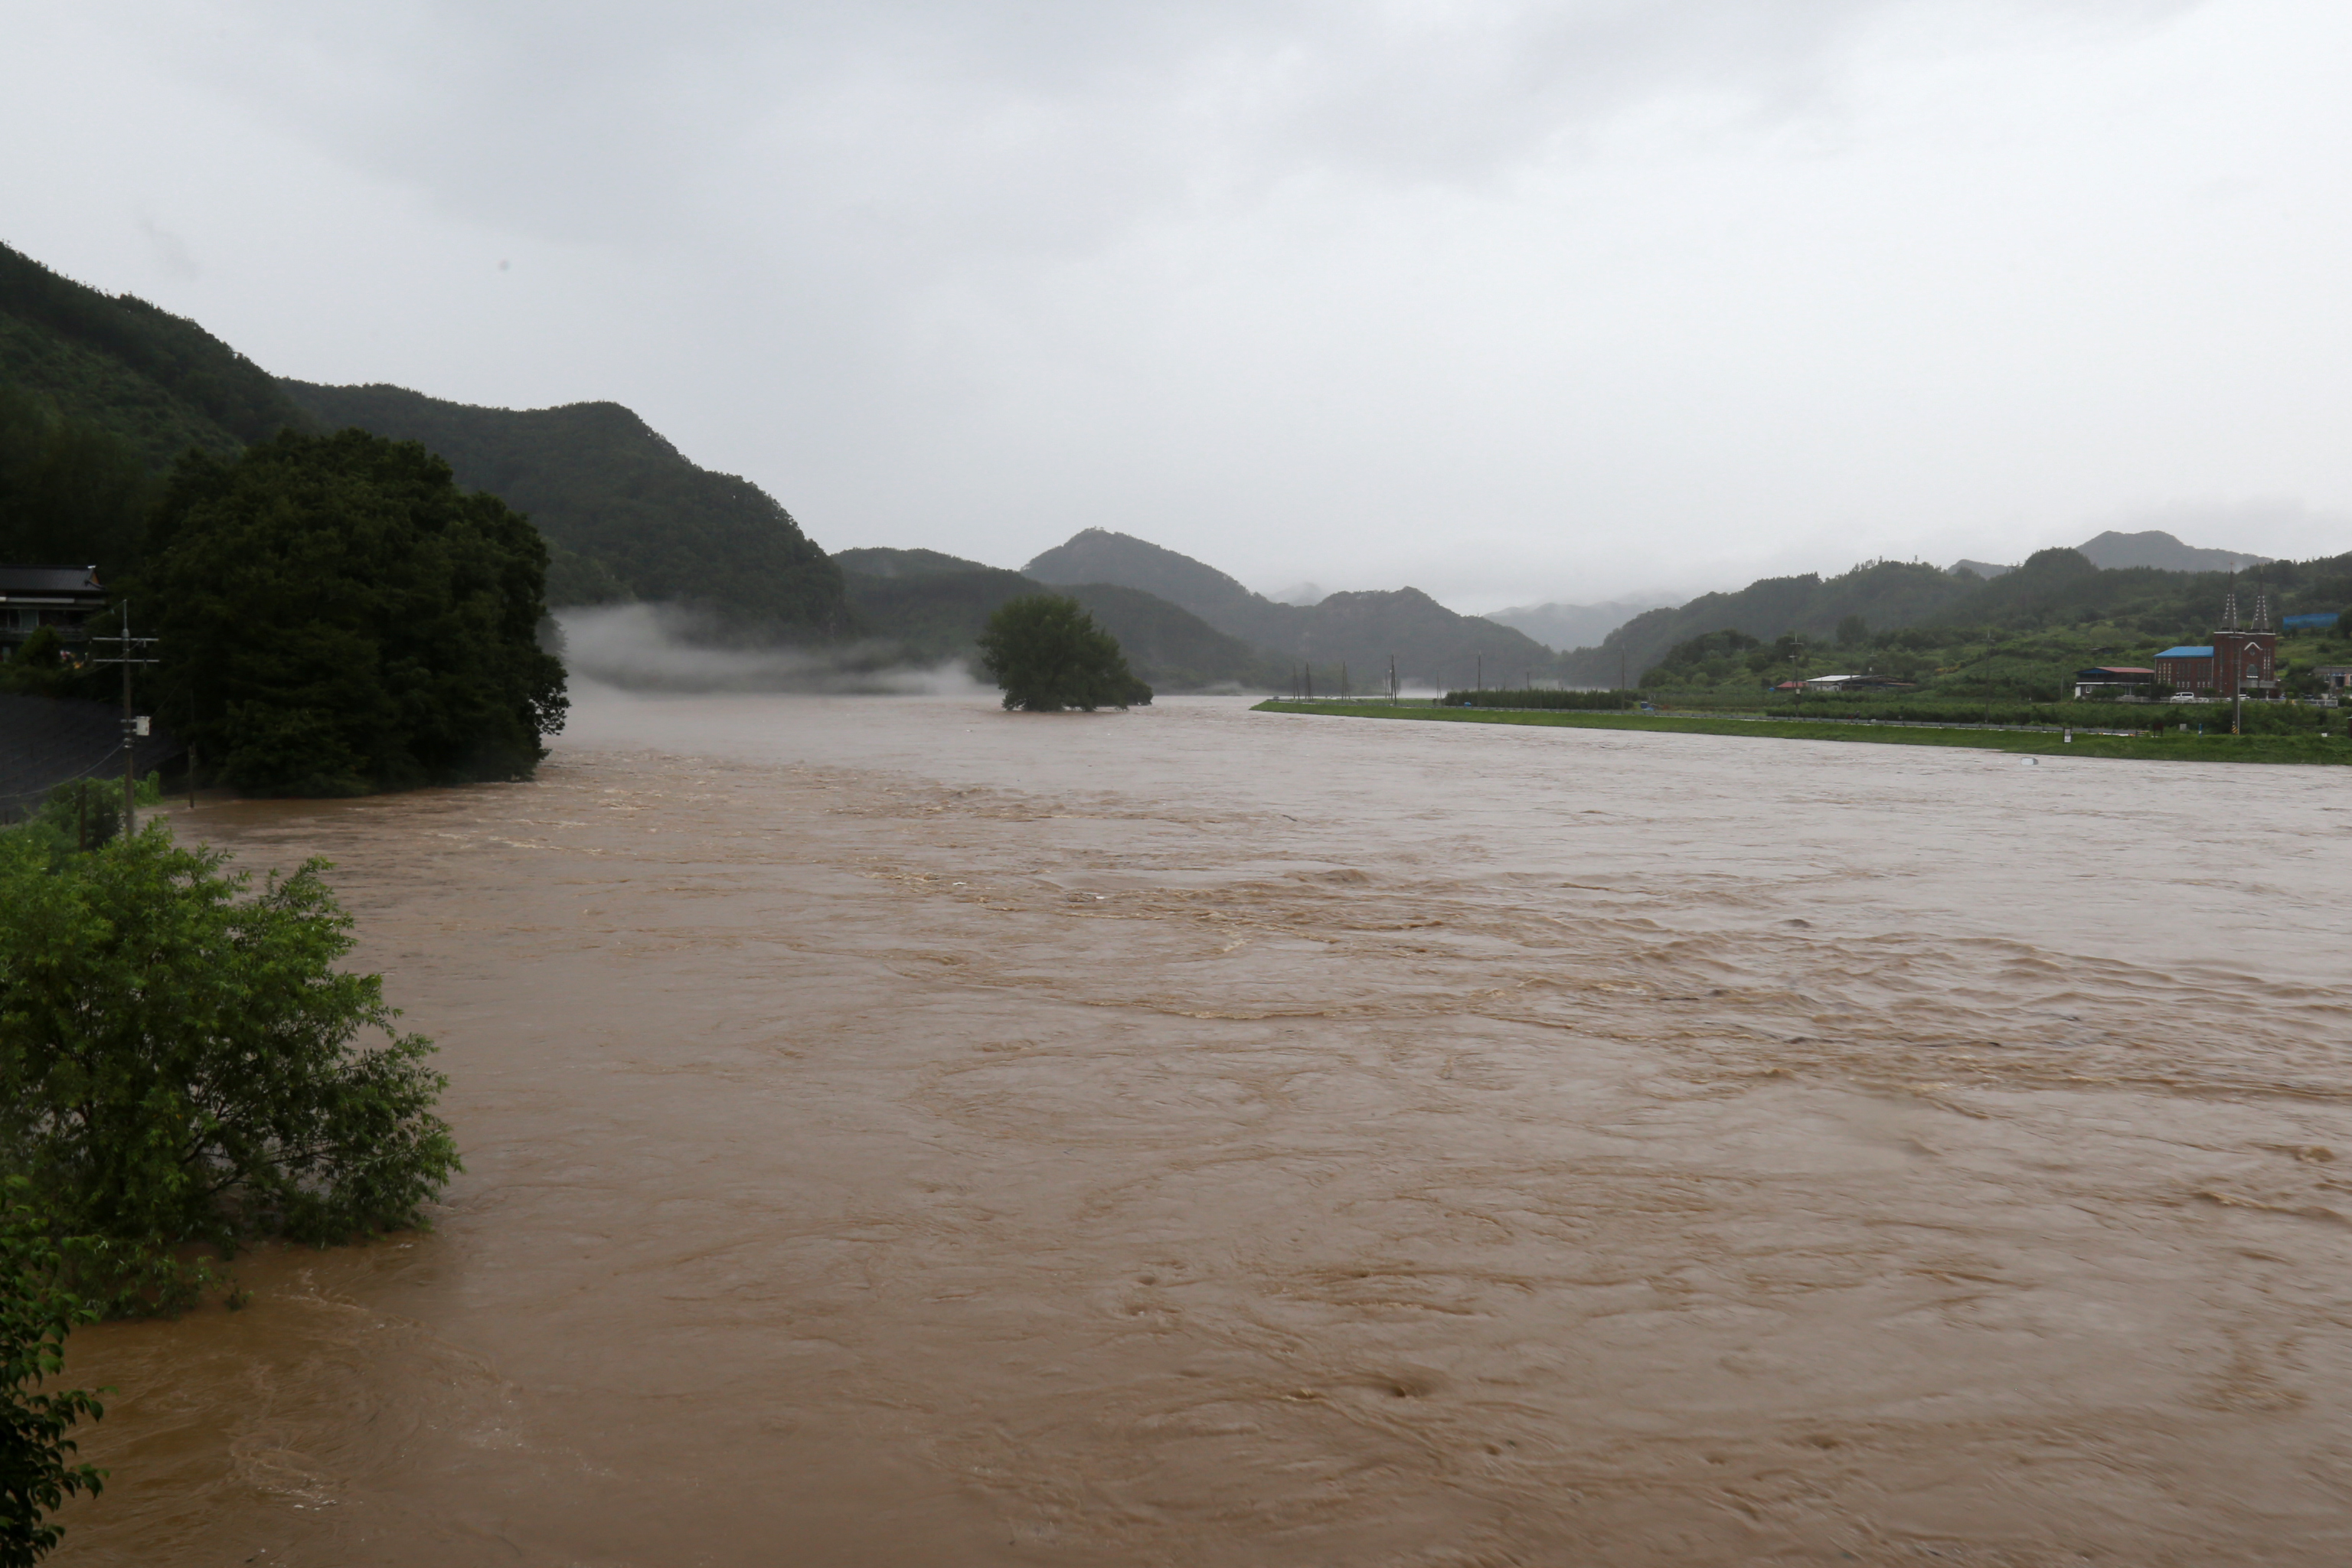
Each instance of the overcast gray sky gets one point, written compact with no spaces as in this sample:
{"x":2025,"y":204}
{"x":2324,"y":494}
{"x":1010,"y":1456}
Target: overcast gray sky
{"x":1510,"y":301}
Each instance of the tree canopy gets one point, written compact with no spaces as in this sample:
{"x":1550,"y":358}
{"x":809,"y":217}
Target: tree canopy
{"x":337,"y":617}
{"x":1047,"y":654}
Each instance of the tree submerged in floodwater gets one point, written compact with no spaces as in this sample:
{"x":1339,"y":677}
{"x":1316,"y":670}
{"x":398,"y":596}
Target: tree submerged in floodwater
{"x":1048,"y":654}
{"x":183,"y":1069}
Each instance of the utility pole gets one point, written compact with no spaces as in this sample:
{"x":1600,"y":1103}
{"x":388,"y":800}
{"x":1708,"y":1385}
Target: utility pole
{"x":1392,"y":680}
{"x":1621,"y":667}
{"x":133,"y":725}
{"x":1482,"y":672}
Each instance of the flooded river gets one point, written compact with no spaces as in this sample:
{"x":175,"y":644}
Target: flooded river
{"x":899,"y":1132}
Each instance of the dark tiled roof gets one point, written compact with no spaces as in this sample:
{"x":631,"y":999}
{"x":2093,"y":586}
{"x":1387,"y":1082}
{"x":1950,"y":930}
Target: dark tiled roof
{"x":49,"y":580}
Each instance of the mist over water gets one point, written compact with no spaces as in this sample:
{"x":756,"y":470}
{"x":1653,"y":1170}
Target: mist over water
{"x":899,"y":1131}
{"x":663,"y":648}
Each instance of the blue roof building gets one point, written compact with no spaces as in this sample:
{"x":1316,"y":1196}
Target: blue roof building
{"x":2311,"y":622}
{"x":2186,"y":652}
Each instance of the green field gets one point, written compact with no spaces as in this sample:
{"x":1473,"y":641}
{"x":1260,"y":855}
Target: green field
{"x":2175,"y":747}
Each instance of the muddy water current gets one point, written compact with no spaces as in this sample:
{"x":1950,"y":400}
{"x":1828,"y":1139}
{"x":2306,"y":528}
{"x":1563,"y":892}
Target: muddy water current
{"x":898,"y":1133}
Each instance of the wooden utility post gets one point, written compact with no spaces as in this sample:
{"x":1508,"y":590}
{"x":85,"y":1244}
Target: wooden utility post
{"x":1392,"y":680}
{"x":133,"y":726}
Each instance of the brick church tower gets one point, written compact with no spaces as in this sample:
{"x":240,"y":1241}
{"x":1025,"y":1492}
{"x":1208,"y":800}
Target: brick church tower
{"x":2245,"y":658}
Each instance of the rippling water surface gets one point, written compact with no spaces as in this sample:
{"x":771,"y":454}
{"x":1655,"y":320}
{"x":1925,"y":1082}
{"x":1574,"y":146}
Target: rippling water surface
{"x":899,"y":1132}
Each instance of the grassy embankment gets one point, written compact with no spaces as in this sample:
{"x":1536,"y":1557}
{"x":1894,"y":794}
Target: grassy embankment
{"x":2172,"y":747}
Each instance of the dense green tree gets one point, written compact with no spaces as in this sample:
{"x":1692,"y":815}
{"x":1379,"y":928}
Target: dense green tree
{"x":37,"y":1472}
{"x":180,"y":1059}
{"x":1047,"y":654}
{"x":337,"y":617}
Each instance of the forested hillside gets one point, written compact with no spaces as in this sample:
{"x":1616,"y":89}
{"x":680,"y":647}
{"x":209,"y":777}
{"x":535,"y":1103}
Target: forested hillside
{"x":1099,"y":555}
{"x":1430,"y":643}
{"x":928,"y":605}
{"x":630,"y":516}
{"x":114,"y":363}
{"x":1883,"y":593}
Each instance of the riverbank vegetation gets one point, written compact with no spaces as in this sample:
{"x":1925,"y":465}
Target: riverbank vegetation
{"x":2176,"y":744}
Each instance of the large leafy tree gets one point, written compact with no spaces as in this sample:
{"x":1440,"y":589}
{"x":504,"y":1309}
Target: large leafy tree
{"x":182,"y":1063}
{"x":36,"y":1311}
{"x":1047,"y":654}
{"x":338,"y":617}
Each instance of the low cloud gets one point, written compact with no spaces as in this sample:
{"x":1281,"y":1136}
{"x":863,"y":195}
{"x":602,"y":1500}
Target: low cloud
{"x":661,"y":647}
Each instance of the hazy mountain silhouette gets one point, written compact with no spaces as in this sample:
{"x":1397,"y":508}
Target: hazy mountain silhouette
{"x":1566,"y":626}
{"x":1430,"y":643}
{"x":2154,"y":547}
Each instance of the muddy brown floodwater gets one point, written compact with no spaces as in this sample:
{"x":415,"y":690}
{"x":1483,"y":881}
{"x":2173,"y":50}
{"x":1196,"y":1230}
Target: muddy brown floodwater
{"x":898,"y":1133}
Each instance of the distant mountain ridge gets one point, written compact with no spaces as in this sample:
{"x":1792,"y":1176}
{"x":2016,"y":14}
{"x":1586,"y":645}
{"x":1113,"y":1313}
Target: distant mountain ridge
{"x":1430,"y":643}
{"x":2154,"y":547}
{"x":1565,"y":627}
{"x":2150,"y":547}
